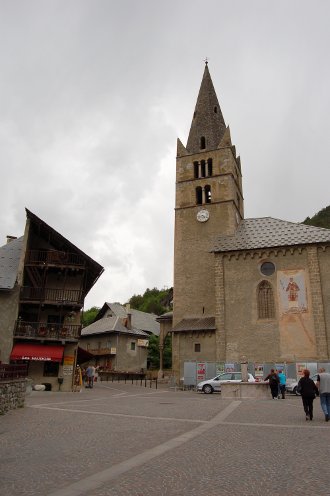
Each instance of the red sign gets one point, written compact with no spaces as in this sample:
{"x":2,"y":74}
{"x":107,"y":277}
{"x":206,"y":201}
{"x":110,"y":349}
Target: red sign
{"x":201,"y":371}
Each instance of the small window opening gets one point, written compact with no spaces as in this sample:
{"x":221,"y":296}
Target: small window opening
{"x":215,"y":110}
{"x":194,"y":115}
{"x":132,"y":345}
{"x":208,"y":197}
{"x":199,"y":195}
{"x":203,"y":143}
{"x":202,"y":168}
{"x":209,"y":167}
{"x":197,"y":347}
{"x":195,"y":170}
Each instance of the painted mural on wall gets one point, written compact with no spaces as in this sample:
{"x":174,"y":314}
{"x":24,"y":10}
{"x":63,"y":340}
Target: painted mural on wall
{"x":297,"y":336}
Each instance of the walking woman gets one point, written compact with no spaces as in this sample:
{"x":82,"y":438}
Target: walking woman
{"x":308,"y":390}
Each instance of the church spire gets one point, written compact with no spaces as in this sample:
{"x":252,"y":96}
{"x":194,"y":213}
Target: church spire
{"x":208,"y":126}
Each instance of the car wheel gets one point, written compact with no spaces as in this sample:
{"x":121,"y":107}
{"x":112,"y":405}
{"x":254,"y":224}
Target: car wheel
{"x":294,"y":391}
{"x":207,"y":389}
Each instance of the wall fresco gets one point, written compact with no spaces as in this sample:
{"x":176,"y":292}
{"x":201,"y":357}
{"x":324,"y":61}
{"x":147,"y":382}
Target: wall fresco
{"x":297,"y":336}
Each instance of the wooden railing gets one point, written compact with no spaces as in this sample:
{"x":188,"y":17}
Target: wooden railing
{"x":8,"y":372}
{"x":42,"y":330}
{"x":53,"y":257}
{"x":52,"y":295}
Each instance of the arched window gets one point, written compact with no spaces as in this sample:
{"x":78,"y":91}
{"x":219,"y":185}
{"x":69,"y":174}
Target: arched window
{"x":207,"y":190}
{"x":266,"y":304}
{"x":209,"y":167}
{"x":199,"y":195}
{"x":195,"y":170}
{"x":202,"y":168}
{"x":203,"y":143}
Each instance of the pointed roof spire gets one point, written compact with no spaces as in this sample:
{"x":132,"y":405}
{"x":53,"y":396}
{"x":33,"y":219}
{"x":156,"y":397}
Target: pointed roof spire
{"x":208,"y":125}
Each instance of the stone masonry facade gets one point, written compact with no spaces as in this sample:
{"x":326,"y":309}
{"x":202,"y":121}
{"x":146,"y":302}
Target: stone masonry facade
{"x":12,"y":395}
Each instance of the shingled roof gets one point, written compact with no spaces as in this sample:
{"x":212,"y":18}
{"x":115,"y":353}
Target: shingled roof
{"x":267,"y":232}
{"x":10,"y":255}
{"x":140,"y":320}
{"x":110,"y":324}
{"x":207,"y":120}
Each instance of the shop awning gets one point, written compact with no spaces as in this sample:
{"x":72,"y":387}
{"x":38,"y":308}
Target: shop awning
{"x":37,"y":352}
{"x":83,"y":355}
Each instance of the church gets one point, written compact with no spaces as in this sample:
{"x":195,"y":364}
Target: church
{"x":254,"y":289}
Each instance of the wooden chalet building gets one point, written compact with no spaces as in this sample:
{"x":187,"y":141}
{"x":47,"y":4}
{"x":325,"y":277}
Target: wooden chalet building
{"x":44,"y":280}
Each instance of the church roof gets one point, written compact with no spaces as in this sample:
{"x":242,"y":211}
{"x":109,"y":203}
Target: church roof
{"x":266,"y":232}
{"x":207,"y":120}
{"x":195,"y":324}
{"x":10,"y":255}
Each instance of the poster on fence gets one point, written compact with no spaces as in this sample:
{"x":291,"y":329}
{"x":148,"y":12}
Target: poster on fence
{"x":259,"y":371}
{"x":300,"y":368}
{"x":201,"y":371}
{"x":229,"y":367}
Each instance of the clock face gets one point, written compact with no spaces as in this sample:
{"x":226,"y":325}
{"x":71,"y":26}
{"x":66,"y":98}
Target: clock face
{"x":203,"y":215}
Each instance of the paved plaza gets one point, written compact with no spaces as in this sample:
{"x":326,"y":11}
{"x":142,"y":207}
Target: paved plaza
{"x":126,"y":440}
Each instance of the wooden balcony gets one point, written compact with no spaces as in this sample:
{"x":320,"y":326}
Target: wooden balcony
{"x":52,"y":296}
{"x":53,"y":258}
{"x":42,"y":330}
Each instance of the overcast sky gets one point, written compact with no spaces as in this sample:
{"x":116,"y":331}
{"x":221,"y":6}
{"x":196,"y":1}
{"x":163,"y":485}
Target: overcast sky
{"x":93,"y":95}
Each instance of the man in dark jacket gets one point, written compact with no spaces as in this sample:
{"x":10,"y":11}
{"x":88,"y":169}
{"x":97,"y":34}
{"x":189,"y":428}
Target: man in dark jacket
{"x":323,"y":384}
{"x":273,"y":383}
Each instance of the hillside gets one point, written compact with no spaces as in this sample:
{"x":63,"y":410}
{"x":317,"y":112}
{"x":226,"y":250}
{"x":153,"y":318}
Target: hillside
{"x":321,"y":219}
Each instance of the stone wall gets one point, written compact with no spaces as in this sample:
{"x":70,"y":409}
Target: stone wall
{"x":12,"y":395}
{"x":9,"y":301}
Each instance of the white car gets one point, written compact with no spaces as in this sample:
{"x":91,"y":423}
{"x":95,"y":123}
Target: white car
{"x":211,"y":385}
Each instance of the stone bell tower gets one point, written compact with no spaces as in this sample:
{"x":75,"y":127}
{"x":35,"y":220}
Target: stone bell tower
{"x":209,"y":202}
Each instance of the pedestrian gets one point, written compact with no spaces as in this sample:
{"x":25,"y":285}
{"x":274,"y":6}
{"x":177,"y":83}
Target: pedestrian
{"x":96,"y":374}
{"x":90,"y":371}
{"x":83,"y":373}
{"x":77,"y":380}
{"x":273,"y":383}
{"x":282,"y":378}
{"x":308,"y":390}
{"x":323,"y":384}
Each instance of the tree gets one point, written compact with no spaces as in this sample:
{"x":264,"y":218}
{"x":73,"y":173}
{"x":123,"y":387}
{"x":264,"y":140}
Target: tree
{"x":167,"y":355}
{"x":89,"y":315}
{"x":321,"y":219}
{"x":153,"y":352}
{"x":152,"y":301}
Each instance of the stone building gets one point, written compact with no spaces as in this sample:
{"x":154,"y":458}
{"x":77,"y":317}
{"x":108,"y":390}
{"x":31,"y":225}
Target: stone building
{"x":118,"y":338}
{"x":44,"y":279}
{"x":257,"y":288}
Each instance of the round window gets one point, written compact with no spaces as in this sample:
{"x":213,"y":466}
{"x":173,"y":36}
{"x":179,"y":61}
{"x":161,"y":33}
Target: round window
{"x":267,"y":268}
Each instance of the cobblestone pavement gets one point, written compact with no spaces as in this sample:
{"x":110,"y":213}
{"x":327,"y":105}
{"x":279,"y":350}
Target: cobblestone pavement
{"x":126,"y":440}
